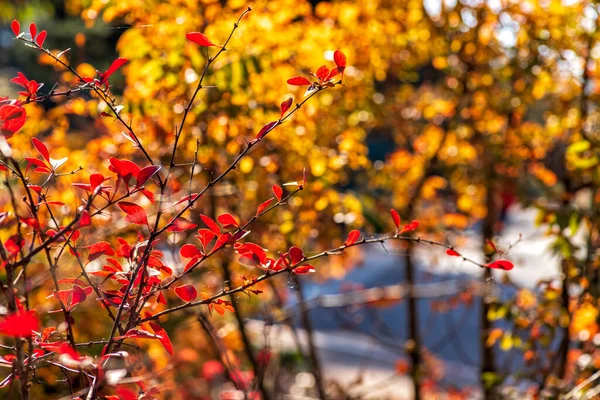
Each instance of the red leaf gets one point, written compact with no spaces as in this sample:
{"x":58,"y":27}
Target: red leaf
{"x":16,"y":27}
{"x":304,"y":269}
{"x":340,"y":59}
{"x":263,"y":206}
{"x":212,"y":225}
{"x":33,"y":30}
{"x":20,"y":325}
{"x":135,"y":214}
{"x":278,"y":192}
{"x":40,"y":165}
{"x":32,"y":222}
{"x":12,"y":118}
{"x":205,"y":236}
{"x":266,"y":129}
{"x":146,"y":173}
{"x":190,"y":264}
{"x":77,"y":296}
{"x":186,"y":293}
{"x":118,"y":63}
{"x":352,"y":237}
{"x":322,"y":73}
{"x":184,"y":199}
{"x":95,"y":181}
{"x":180,"y":225}
{"x":296,"y":254}
{"x":500,"y":264}
{"x":333,"y":73}
{"x":227,"y":221}
{"x":221,"y":241}
{"x":164,"y":338}
{"x":410,"y":227}
{"x":452,"y":252}
{"x":124,"y":168}
{"x":251,"y":254}
{"x":41,"y":37}
{"x":98,"y":249}
{"x":149,"y":195}
{"x":396,"y":218}
{"x":14,"y":244}
{"x":85,"y":219}
{"x":298,"y":81}
{"x":285,"y":106}
{"x":41,"y":147}
{"x":189,"y":251}
{"x":200,"y":39}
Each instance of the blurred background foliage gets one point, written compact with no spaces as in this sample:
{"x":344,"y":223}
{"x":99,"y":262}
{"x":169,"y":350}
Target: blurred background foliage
{"x":452,"y":112}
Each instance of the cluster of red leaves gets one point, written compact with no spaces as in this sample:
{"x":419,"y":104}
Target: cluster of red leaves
{"x":12,"y":118}
{"x":323,"y":75}
{"x":38,"y":38}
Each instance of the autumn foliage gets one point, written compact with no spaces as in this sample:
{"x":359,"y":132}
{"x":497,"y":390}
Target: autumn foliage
{"x":153,"y":202}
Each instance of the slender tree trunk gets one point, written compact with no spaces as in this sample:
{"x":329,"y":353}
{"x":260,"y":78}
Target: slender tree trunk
{"x":227,"y":278}
{"x":413,"y":347}
{"x":312,"y":350}
{"x":487,"y":352}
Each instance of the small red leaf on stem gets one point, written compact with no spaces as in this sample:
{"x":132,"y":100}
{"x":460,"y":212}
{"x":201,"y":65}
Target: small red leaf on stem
{"x":180,"y":225}
{"x":12,"y":119}
{"x":285,"y":106}
{"x":352,"y":237}
{"x":200,"y":39}
{"x":118,"y":63}
{"x":41,"y":38}
{"x":99,"y":249}
{"x":16,"y":27}
{"x":135,"y":214}
{"x":452,"y":252}
{"x":322,"y":73}
{"x":205,"y":236}
{"x":95,"y":181}
{"x":189,"y":251}
{"x":164,"y":338}
{"x":396,"y":218}
{"x":296,"y":254}
{"x":264,"y":206}
{"x":33,"y":30}
{"x":500,"y":264}
{"x":77,"y":296}
{"x":278,"y":192}
{"x":298,"y":81}
{"x":221,"y":241}
{"x":304,"y":269}
{"x":410,"y":227}
{"x":20,"y":324}
{"x":186,"y":293}
{"x":41,"y":147}
{"x":227,"y":221}
{"x":339,"y":58}
{"x":146,"y":173}
{"x":266,"y":129}
{"x":212,"y":225}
